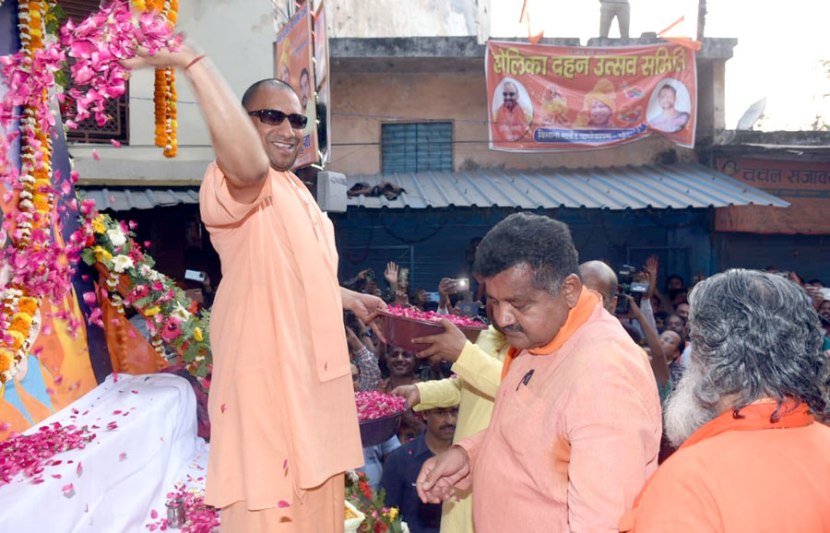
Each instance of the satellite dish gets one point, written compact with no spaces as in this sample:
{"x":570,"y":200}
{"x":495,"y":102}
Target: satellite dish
{"x":752,"y":114}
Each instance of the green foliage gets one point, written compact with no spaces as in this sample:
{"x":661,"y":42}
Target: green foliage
{"x":166,"y":307}
{"x":379,"y":518}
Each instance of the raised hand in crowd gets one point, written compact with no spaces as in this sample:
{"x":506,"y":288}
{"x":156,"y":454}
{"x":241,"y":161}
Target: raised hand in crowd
{"x":446,"y":287}
{"x":391,"y":275}
{"x":651,"y":268}
{"x":409,"y":393}
{"x":445,"y":346}
{"x":658,"y":360}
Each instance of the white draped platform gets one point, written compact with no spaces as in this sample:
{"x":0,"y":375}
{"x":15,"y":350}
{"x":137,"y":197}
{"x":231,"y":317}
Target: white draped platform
{"x":125,"y":472}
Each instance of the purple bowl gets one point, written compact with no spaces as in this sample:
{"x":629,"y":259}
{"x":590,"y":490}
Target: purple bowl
{"x":400,"y":330}
{"x":379,"y":430}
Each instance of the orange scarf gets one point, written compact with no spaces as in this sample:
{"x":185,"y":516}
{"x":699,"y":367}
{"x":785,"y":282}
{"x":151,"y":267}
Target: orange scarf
{"x":752,"y":417}
{"x":577,"y":316}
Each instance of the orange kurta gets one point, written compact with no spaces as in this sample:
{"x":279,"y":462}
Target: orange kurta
{"x":742,"y":475}
{"x":511,"y":125}
{"x":575,"y":431}
{"x":281,"y":400}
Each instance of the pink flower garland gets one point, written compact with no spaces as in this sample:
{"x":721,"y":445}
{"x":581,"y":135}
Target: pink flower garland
{"x":31,"y":454}
{"x":44,"y":268}
{"x":99,"y":44}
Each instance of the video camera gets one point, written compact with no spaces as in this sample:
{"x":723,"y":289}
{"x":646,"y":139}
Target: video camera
{"x":626,"y":286}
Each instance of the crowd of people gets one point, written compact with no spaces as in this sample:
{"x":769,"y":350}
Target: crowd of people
{"x":461,"y":397}
{"x":553,"y":420}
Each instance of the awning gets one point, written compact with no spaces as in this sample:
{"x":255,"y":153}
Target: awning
{"x":677,"y":186}
{"x":124,"y":199}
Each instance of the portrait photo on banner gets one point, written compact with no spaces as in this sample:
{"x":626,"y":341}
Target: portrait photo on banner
{"x":512,"y":110}
{"x":669,"y":106}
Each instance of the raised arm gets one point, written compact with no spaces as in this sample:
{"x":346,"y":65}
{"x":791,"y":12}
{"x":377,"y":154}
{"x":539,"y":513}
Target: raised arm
{"x":236,"y":143}
{"x":658,"y":360}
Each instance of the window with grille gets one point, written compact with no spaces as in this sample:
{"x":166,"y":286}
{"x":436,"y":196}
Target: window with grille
{"x":118,"y":126}
{"x":416,"y":147}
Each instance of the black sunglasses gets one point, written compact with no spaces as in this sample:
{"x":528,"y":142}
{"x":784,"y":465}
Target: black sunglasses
{"x":274,"y":117}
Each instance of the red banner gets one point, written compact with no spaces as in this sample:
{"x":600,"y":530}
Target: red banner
{"x":294,"y":66}
{"x":550,"y":98}
{"x":806,"y":185}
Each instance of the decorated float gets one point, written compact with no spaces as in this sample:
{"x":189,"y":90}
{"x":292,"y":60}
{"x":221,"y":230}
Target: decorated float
{"x":90,"y":427}
{"x":94,"y":425}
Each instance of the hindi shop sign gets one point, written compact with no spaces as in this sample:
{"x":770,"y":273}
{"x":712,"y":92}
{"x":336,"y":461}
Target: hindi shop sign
{"x":805,"y":184}
{"x":545,"y":98}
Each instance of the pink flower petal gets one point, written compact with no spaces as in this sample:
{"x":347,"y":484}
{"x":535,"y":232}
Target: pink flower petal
{"x":95,"y":155}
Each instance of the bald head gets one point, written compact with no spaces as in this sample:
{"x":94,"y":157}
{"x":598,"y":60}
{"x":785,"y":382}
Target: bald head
{"x":598,"y":276}
{"x":268,"y":83}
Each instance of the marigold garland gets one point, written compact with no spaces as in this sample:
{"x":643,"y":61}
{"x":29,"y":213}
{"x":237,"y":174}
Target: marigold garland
{"x":164,"y":94}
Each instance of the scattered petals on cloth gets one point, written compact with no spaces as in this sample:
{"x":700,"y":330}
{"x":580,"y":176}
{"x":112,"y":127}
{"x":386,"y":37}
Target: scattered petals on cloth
{"x":29,"y":455}
{"x":199,"y":517}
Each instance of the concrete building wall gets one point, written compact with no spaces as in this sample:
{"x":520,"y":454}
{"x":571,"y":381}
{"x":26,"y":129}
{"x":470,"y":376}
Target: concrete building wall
{"x":362,"y":102}
{"x":238,"y":35}
{"x":413,"y":18}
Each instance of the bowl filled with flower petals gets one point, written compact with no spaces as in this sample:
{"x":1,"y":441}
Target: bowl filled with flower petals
{"x":379,"y":415}
{"x":402,"y":324}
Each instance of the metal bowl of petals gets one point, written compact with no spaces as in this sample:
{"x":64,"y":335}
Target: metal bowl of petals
{"x":400,"y":326}
{"x":379,"y":430}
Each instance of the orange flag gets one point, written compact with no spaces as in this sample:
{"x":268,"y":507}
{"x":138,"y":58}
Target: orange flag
{"x":535,"y":25}
{"x":683,"y":29}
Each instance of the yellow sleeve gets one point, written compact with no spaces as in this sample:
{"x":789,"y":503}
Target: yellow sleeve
{"x":438,"y":393}
{"x":480,"y":364}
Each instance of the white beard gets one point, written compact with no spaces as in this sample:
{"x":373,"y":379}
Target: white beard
{"x":684,"y":414}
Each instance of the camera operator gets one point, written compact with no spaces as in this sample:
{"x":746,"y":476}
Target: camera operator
{"x":446,"y":289}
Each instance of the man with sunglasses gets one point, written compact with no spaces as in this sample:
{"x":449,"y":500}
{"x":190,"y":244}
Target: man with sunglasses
{"x":284,"y":423}
{"x":512,"y":122}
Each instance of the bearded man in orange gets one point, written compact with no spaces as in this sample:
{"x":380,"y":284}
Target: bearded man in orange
{"x":281,"y":394}
{"x":752,"y":456}
{"x":512,"y":121}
